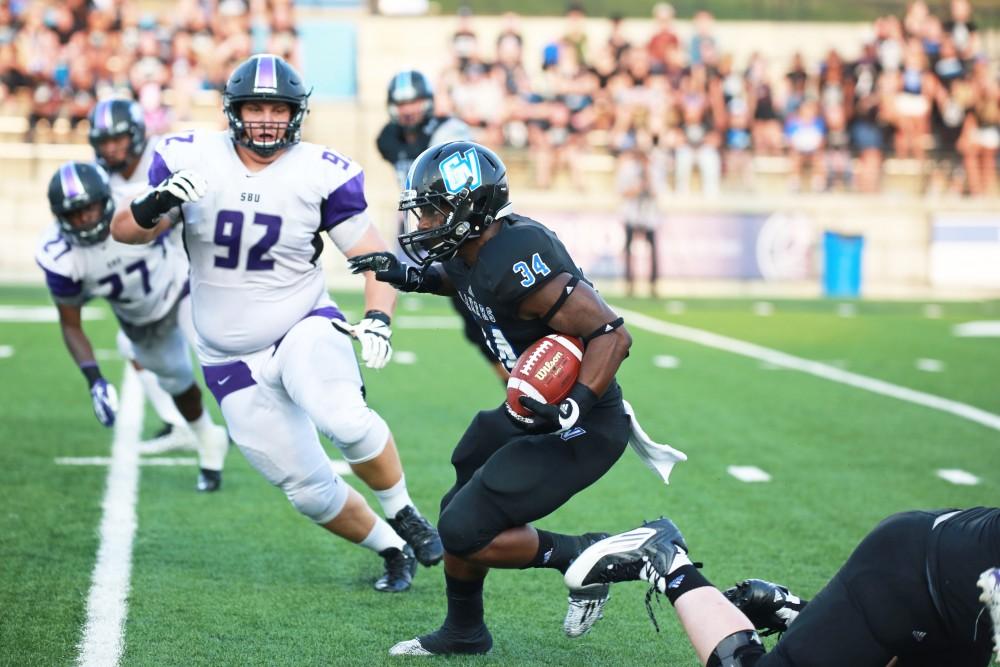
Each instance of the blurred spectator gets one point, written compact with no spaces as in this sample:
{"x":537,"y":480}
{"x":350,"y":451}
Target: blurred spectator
{"x":962,"y":29}
{"x":703,"y":39}
{"x":806,"y":134}
{"x":640,"y":177}
{"x":766,"y":126}
{"x":980,"y":136}
{"x":664,"y":40}
{"x":866,"y":129}
{"x":698,"y":139}
{"x":575,"y":36}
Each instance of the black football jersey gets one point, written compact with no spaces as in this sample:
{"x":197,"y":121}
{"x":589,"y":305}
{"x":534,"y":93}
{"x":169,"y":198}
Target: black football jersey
{"x":961,"y":548}
{"x":522,"y":257}
{"x":396,"y":150}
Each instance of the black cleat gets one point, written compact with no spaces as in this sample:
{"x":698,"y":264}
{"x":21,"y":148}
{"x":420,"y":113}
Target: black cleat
{"x":399,"y":569}
{"x":770,"y":607}
{"x":419,"y":534}
{"x":443,"y":642}
{"x":642,"y":554}
{"x":209,"y":480}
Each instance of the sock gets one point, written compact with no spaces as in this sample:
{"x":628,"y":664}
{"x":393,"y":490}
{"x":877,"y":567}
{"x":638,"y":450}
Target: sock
{"x":161,"y":401}
{"x":395,"y":498}
{"x":203,"y":425}
{"x":681,"y":580}
{"x":557,"y":551}
{"x":382,"y":537}
{"x":465,"y":604}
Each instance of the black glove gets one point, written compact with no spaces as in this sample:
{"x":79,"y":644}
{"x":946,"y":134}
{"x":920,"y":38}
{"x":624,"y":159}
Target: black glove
{"x":555,"y":418}
{"x":181,"y":187}
{"x":388,"y":269}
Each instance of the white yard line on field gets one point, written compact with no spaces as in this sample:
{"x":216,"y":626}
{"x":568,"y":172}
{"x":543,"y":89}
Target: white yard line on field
{"x":748,"y":474}
{"x":106,"y":460}
{"x":957,"y":476}
{"x":825,"y":371}
{"x":107,"y":603}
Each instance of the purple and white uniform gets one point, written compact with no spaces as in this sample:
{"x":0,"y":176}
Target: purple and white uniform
{"x":262,"y":314}
{"x":146,"y":286}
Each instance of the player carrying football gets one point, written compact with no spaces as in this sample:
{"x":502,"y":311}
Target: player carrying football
{"x":254,"y":201}
{"x":519,"y":282}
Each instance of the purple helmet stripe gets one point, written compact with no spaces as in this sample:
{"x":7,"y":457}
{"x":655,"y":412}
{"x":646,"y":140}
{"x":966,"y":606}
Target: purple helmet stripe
{"x":266,"y":77}
{"x":72,"y":187}
{"x":107,"y":119}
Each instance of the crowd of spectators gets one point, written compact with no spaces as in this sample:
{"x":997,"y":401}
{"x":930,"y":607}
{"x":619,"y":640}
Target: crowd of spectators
{"x":920,"y":89}
{"x":58,"y":58}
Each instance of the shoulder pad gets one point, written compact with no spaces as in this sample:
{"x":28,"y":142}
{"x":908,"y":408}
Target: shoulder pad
{"x":522,"y":258}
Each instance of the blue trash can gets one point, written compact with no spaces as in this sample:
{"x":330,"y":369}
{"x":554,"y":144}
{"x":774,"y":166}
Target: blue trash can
{"x":842,"y":264}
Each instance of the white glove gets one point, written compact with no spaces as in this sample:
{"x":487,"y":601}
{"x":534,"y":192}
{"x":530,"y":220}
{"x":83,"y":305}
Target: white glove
{"x":374,"y":333}
{"x":185,"y":185}
{"x":105,"y":400}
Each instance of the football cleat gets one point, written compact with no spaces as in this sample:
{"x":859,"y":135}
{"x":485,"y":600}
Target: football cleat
{"x":770,"y":607}
{"x":419,"y":534}
{"x":168,"y":439}
{"x":209,"y":480}
{"x":989,"y":582}
{"x":400,"y":567}
{"x":642,"y":554}
{"x":442,"y":642}
{"x":586,"y":607}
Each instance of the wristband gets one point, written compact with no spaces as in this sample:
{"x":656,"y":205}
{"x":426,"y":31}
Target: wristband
{"x":91,"y":372}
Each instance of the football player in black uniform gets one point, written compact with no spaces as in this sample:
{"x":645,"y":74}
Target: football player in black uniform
{"x":519,"y":283}
{"x":412,"y":127}
{"x":910,"y":591}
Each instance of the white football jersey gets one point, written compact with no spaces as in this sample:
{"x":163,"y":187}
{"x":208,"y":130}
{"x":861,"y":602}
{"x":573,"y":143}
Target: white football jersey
{"x":124,"y":190}
{"x":141,"y":282}
{"x":253,"y":240}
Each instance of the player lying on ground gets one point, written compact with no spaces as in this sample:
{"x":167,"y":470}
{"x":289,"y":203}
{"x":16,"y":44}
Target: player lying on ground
{"x":909,"y":593}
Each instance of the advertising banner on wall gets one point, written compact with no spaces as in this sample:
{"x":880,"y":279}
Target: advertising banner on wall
{"x":965,"y":250}
{"x":717,"y":245}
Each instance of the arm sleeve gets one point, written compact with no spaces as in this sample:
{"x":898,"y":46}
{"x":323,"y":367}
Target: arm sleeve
{"x":348,"y":232}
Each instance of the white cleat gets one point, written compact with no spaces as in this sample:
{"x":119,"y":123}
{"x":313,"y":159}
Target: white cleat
{"x":586,"y":607}
{"x":409,"y":647}
{"x":989,"y":582}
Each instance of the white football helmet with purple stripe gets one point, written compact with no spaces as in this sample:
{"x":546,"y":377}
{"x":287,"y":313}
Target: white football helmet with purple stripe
{"x":265,"y":78}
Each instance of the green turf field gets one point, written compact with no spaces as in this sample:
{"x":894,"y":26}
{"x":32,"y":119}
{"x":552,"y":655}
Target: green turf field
{"x":239,"y":578}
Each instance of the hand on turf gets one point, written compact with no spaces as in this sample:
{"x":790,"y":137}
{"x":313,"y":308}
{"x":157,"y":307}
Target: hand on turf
{"x":105,"y":400}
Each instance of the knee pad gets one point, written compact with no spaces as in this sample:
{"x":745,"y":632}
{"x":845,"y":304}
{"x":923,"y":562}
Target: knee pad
{"x":740,"y":649}
{"x":458,"y":532}
{"x":359,"y":432}
{"x":320,"y":496}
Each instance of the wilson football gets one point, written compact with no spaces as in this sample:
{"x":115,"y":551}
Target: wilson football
{"x":546,"y":371}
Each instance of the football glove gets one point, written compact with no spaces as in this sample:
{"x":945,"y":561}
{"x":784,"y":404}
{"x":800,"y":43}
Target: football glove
{"x":388,"y":269}
{"x":180,"y":188}
{"x":770,"y":607}
{"x":105,"y":400}
{"x":374,"y":334}
{"x":549,"y":418}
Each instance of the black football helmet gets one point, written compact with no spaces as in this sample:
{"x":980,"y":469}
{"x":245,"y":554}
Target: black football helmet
{"x":409,"y":86}
{"x":74,"y":187}
{"x":113,"y":118}
{"x":265,"y":78}
{"x":465,"y":182}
